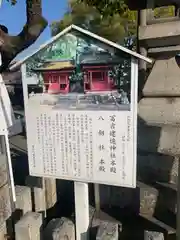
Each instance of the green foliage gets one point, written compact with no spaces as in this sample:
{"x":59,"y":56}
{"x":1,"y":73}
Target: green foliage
{"x":114,"y":27}
{"x":121,"y":74}
{"x":109,"y":7}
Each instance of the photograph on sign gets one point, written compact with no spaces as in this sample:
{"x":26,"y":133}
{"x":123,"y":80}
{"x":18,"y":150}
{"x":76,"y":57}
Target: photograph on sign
{"x":80,"y":102}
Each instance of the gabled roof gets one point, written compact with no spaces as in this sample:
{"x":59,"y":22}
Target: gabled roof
{"x":87,"y":33}
{"x":57,"y":65}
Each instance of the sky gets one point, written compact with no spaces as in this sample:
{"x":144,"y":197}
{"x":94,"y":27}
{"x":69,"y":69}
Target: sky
{"x":14,"y":18}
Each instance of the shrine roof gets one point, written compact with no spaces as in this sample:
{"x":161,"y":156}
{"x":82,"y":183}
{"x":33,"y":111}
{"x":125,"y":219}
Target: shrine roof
{"x":88,"y":34}
{"x":101,"y":58}
{"x":55,"y":65}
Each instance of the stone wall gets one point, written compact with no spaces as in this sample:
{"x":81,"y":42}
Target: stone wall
{"x":5,"y":197}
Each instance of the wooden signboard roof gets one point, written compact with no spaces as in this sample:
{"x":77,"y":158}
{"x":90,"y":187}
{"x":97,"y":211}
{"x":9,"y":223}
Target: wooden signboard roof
{"x":87,"y":34}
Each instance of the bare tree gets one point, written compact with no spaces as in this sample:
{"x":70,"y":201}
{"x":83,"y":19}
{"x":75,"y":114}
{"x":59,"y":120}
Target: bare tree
{"x":10,"y":46}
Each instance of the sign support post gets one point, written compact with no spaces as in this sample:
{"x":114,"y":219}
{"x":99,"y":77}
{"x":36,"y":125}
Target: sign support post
{"x":97,"y":198}
{"x":81,"y":210}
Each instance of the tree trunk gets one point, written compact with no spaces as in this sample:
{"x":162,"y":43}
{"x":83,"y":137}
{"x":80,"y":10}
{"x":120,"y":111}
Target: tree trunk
{"x":10,"y":46}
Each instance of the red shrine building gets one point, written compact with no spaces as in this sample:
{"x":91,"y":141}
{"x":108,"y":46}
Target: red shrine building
{"x":97,"y":79}
{"x":95,"y":70}
{"x":56,"y":75}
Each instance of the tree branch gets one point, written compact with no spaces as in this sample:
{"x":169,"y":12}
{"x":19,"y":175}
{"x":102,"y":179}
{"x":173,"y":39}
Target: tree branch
{"x":13,"y":45}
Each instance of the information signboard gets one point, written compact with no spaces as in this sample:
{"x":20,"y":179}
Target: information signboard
{"x":93,"y":140}
{"x":87,"y":145}
{"x":77,"y":62}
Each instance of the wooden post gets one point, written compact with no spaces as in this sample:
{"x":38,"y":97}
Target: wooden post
{"x":97,"y":197}
{"x":81,"y":210}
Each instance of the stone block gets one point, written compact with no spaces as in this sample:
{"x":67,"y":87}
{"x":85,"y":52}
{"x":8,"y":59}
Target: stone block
{"x":166,"y":190}
{"x":163,"y":140}
{"x":3,"y":231}
{"x":37,"y":186}
{"x":155,"y":20}
{"x":58,"y":229}
{"x":107,"y":231}
{"x":157,"y":167}
{"x":51,"y":192}
{"x":147,"y":196}
{"x":149,"y":235}
{"x":163,"y":79}
{"x":160,"y":111}
{"x":39,"y":199}
{"x":163,"y":52}
{"x":160,"y":34}
{"x":3,"y":170}
{"x":29,"y":227}
{"x":141,"y":200}
{"x":100,"y":219}
{"x":5,"y":204}
{"x":160,"y":226}
{"x":115,"y":196}
{"x":45,"y":189}
{"x":32,"y":181}
{"x":23,"y":199}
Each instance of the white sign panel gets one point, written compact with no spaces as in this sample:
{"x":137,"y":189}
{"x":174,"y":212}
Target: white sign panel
{"x":7,"y":118}
{"x":3,"y":125}
{"x":87,"y":146}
